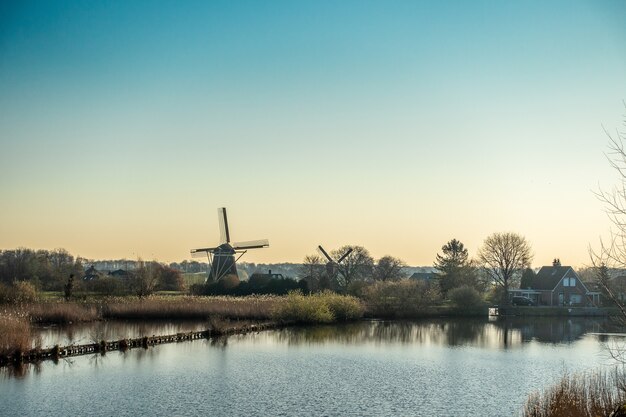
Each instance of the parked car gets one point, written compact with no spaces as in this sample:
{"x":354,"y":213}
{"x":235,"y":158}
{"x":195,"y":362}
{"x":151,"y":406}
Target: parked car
{"x":522,"y":301}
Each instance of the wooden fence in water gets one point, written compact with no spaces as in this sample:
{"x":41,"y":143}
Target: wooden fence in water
{"x":57,"y":352}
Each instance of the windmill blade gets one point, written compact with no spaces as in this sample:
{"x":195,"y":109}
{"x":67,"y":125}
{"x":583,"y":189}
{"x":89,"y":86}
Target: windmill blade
{"x":199,"y":254}
{"x":251,"y":244}
{"x":325,"y":254}
{"x":223,"y":220}
{"x":202,"y":251}
{"x":345,"y":255}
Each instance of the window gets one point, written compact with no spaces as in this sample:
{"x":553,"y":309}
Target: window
{"x":575,"y":298}
{"x":569,"y":282}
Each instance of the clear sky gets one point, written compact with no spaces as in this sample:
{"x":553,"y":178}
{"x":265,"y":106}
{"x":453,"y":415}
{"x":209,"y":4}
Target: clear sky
{"x":396,"y":125}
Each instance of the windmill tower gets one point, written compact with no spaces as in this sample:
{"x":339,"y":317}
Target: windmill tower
{"x":223,"y":258}
{"x":332,"y":266}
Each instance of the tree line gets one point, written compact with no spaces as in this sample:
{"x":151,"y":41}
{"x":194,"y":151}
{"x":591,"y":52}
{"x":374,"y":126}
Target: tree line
{"x":500,"y":261}
{"x":58,"y":270}
{"x":499,"y":264}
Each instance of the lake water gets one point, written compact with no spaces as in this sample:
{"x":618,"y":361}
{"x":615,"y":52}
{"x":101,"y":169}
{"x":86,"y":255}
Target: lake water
{"x":374,"y":368}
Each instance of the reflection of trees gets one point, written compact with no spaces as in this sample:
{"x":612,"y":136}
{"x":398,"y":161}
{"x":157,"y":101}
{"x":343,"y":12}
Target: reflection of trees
{"x":505,"y":332}
{"x":19,"y":371}
{"x":447,"y":332}
{"x":553,"y":329}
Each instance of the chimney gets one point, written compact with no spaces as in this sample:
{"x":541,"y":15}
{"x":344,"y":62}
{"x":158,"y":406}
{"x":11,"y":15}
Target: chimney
{"x":556,"y":262}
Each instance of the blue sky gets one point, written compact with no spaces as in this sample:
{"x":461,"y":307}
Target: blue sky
{"x":394,"y":125}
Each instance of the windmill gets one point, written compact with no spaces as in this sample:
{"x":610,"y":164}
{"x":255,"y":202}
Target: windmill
{"x":332,"y":266}
{"x":222,"y":257}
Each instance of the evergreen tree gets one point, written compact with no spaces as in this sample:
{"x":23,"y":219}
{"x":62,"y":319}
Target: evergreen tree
{"x":527,"y":278}
{"x":452,"y":265}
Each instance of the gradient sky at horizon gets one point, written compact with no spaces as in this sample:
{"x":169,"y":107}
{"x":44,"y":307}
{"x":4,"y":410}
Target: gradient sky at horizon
{"x":392,"y":125}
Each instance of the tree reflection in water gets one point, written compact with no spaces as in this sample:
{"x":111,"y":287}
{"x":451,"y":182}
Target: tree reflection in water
{"x":502,"y":333}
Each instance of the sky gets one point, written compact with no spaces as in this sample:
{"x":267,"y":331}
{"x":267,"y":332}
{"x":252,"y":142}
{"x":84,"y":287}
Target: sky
{"x":396,"y":126}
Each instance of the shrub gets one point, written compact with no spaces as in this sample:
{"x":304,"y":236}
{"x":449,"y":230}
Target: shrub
{"x":323,"y":307}
{"x":109,"y":286}
{"x":343,"y":307}
{"x":465,"y":297}
{"x":400,"y":299}
{"x":303,"y":309}
{"x":19,"y":292}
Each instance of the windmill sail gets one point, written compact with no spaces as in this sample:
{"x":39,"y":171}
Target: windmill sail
{"x":222,"y":257}
{"x":345,"y":255}
{"x":224,"y":233}
{"x":251,"y":244}
{"x":325,"y":254}
{"x":201,"y":251}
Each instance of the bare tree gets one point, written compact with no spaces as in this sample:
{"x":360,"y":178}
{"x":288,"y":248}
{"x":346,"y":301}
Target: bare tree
{"x":503,"y":256}
{"x":145,"y":278}
{"x":312,"y":271}
{"x":612,"y":252}
{"x":389,"y":268}
{"x":354,"y":267}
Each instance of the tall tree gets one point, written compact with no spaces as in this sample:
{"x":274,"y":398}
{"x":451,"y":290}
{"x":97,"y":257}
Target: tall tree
{"x":389,"y":268}
{"x":503,"y":256}
{"x":452,"y":266}
{"x":357,"y":266}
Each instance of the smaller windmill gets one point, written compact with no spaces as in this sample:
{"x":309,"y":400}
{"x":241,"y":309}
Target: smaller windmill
{"x":221,"y":258}
{"x":332,"y":266}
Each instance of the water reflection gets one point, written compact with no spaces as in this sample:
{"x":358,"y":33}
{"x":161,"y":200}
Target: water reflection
{"x":82,"y":333}
{"x":502,"y":333}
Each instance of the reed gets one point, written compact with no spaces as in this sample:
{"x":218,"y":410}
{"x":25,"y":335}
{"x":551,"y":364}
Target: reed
{"x":581,"y":395}
{"x":61,"y":312}
{"x":15,"y":335}
{"x":189,"y":308}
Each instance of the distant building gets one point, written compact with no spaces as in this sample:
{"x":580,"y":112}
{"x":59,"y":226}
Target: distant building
{"x":260,"y":279}
{"x":119,"y":273}
{"x":91,"y":273}
{"x":424,"y":276}
{"x":557,"y":285}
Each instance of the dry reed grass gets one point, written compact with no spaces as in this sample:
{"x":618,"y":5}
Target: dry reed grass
{"x":590,"y":394}
{"x":61,"y":312}
{"x":15,"y":335}
{"x":189,"y":308}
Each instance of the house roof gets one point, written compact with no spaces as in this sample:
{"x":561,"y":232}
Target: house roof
{"x":424,"y":275}
{"x":548,"y":277}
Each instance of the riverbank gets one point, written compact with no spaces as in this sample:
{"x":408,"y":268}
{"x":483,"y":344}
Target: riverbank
{"x":327,"y":307}
{"x":540,"y":311}
{"x":16,"y":319}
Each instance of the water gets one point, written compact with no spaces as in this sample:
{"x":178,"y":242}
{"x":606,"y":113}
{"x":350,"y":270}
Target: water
{"x":424,"y":368}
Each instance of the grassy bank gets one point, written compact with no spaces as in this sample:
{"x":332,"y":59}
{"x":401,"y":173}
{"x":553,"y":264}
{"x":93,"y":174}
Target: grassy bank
{"x":16,"y":319}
